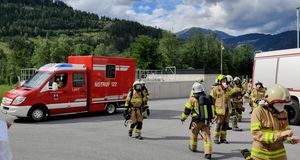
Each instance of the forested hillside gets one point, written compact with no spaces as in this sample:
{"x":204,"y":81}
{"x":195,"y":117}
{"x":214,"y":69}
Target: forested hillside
{"x":37,"y":32}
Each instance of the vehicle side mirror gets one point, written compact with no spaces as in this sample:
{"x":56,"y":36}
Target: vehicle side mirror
{"x":54,"y":86}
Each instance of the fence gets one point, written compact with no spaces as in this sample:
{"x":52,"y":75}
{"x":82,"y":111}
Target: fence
{"x":26,"y":73}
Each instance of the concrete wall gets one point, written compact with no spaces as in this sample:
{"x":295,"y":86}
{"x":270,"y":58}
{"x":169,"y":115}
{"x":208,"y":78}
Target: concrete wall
{"x":176,"y":89}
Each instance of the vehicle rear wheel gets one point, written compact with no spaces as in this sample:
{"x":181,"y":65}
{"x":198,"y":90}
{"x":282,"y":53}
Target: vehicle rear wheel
{"x":111,"y":108}
{"x":37,"y":114}
{"x":293,"y":111}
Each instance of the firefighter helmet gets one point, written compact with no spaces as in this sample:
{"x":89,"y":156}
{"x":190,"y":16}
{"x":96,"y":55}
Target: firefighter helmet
{"x":221,"y":77}
{"x":277,"y":94}
{"x":198,"y":88}
{"x":229,"y":78}
{"x":236,"y":79}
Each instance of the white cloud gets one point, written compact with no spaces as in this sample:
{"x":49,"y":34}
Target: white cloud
{"x":232,"y":16}
{"x":144,"y":8}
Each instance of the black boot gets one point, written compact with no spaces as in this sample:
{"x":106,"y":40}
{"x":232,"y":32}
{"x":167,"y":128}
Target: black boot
{"x":224,"y":141}
{"x":190,"y":148}
{"x":207,"y":156}
{"x":130,"y":133}
{"x":237,"y":129}
{"x":139,"y":137}
{"x":216,"y":141}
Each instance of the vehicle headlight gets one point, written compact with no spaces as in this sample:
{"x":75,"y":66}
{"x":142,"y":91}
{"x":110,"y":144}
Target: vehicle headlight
{"x":19,"y":100}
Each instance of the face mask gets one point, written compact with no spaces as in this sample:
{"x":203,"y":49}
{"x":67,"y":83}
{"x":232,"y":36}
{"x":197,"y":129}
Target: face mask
{"x":224,"y":85}
{"x":279,"y":106}
{"x":138,"y":87}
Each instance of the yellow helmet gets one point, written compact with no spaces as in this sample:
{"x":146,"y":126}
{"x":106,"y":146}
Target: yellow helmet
{"x":221,"y":77}
{"x":277,"y":94}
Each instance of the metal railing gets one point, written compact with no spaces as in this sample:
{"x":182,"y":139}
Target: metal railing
{"x":26,"y":73}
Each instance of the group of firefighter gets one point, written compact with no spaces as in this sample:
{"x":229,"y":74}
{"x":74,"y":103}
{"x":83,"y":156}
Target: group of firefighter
{"x":269,"y":121}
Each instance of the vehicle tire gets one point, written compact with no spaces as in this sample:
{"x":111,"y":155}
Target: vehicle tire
{"x":293,"y":111}
{"x":37,"y":114}
{"x":111,"y":108}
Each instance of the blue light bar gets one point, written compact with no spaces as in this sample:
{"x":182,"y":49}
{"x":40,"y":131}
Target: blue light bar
{"x":64,"y":65}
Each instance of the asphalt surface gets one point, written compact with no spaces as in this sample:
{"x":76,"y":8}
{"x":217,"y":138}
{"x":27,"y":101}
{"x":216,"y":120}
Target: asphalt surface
{"x":104,"y":137}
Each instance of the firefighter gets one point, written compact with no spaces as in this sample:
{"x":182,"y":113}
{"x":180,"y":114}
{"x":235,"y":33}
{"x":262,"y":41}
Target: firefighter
{"x":230,"y":86}
{"x":133,"y":108}
{"x":221,"y":96}
{"x":244,"y":85}
{"x":199,"y":106}
{"x":145,"y":110}
{"x":249,"y":86}
{"x":257,"y":95}
{"x":237,"y":103}
{"x":269,"y":126}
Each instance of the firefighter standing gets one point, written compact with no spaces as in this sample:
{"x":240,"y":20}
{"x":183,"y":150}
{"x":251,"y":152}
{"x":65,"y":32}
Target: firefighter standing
{"x":201,"y":110}
{"x":133,"y":107}
{"x":257,"y":95}
{"x":229,"y":87}
{"x":221,"y":95}
{"x":237,"y":103}
{"x":269,"y":126}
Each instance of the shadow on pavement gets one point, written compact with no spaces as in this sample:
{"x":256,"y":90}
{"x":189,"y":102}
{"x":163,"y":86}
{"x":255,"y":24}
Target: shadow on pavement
{"x":100,"y":117}
{"x":168,"y":138}
{"x":232,"y":155}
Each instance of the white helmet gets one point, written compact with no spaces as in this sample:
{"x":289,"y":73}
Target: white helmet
{"x":229,"y":78}
{"x":236,"y":79}
{"x":216,"y":81}
{"x":197,"y":88}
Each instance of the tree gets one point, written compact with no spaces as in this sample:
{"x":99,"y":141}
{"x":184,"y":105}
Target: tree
{"x":3,"y":69}
{"x":168,"y":49}
{"x":41,"y":55}
{"x":144,"y":49}
{"x":103,"y":50}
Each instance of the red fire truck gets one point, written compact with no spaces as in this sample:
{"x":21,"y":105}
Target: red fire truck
{"x":84,"y":84}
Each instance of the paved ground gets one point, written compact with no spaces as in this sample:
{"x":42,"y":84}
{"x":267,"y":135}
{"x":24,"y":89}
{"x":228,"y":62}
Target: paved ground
{"x":99,"y":136}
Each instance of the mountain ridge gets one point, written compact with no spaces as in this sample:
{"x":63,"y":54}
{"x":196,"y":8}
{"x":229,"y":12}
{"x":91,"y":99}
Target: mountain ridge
{"x":260,"y":41}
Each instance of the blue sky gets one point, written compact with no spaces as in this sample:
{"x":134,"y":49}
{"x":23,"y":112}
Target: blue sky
{"x":235,"y":17}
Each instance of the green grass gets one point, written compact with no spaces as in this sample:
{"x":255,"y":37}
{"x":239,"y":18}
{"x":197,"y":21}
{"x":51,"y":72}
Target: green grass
{"x":5,"y":88}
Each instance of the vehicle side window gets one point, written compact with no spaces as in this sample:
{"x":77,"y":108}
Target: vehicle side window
{"x":110,"y":71}
{"x":78,"y":80}
{"x":61,"y":79}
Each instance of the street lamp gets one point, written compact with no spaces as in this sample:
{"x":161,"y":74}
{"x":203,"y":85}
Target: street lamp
{"x":297,"y":27}
{"x":222,"y":48}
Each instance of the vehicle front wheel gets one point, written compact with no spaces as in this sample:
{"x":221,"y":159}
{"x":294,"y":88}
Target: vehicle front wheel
{"x":37,"y":114}
{"x":111,"y":108}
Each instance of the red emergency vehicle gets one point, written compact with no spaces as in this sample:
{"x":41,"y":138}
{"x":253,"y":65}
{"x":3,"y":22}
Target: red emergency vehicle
{"x":84,"y":84}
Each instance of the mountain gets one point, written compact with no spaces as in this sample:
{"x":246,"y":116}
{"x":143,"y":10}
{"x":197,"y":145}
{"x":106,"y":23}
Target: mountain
{"x":185,"y":34}
{"x":53,"y":18}
{"x":264,"y":42}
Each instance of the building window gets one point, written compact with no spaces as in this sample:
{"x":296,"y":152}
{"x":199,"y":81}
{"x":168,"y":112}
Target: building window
{"x":110,"y":71}
{"x":78,"y":79}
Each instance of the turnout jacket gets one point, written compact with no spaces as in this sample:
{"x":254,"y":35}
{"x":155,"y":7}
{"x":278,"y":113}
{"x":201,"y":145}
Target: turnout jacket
{"x":265,"y":128}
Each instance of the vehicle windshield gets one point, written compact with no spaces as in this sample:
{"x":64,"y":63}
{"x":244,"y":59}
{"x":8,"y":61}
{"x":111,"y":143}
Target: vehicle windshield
{"x":37,"y":79}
